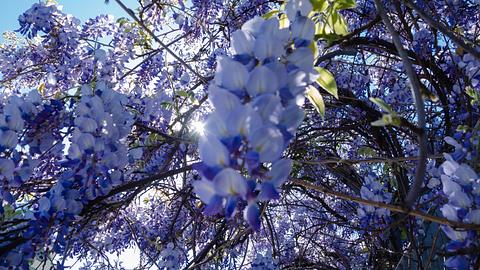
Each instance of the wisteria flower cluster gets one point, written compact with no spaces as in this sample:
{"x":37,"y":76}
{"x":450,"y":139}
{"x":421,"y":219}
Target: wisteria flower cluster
{"x":18,"y":115}
{"x":256,"y":98}
{"x":91,"y":135}
{"x":170,"y":258}
{"x":461,"y":187}
{"x":374,"y":190}
{"x":264,"y":262}
{"x":39,"y":18}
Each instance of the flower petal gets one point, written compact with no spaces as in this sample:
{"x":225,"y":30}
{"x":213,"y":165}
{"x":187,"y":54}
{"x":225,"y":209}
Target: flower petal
{"x":253,"y":26}
{"x":215,"y":206}
{"x":268,"y":191}
{"x":213,"y":152}
{"x":449,"y":212}
{"x":304,"y":29}
{"x":262,"y":80}
{"x":230,"y":207}
{"x":268,"y":107}
{"x":229,"y":182}
{"x":242,"y":43}
{"x":252,"y":215}
{"x":280,"y":171}
{"x":204,"y":189}
{"x":268,"y":142}
{"x":230,"y":74}
{"x":222,"y":100}
{"x":302,"y":58}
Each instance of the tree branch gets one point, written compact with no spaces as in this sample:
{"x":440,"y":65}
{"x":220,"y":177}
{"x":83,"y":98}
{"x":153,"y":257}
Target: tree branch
{"x":394,"y":208}
{"x":416,"y":186}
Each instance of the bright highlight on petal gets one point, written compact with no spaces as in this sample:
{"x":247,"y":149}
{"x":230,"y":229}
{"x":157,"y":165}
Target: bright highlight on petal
{"x":198,"y":127}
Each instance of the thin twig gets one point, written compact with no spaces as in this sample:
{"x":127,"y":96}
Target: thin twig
{"x":394,"y":208}
{"x":150,"y":32}
{"x":442,"y":28}
{"x":366,"y":160}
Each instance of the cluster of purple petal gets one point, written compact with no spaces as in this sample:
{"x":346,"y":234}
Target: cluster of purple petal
{"x":422,"y":43}
{"x":39,"y":18}
{"x":374,"y":190}
{"x":256,"y":98}
{"x":91,"y":131}
{"x":170,"y":258}
{"x":25,"y":138}
{"x":461,"y":188}
{"x":22,"y":120}
{"x":264,"y":262}
{"x":471,"y":66}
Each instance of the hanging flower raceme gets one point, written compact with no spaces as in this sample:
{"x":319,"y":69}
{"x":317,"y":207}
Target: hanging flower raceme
{"x":256,"y":96}
{"x":96,"y":127}
{"x":374,"y":190}
{"x":40,"y":17}
{"x":461,"y":187}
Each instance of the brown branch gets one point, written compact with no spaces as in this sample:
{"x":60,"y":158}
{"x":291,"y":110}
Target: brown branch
{"x":366,"y":160}
{"x":394,"y":208}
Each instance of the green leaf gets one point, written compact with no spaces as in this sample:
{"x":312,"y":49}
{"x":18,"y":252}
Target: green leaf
{"x":194,"y":101}
{"x":314,"y":47}
{"x":378,"y":123}
{"x":344,"y":4}
{"x":327,"y":81}
{"x":121,"y":21}
{"x":166,"y":105}
{"x":317,"y":100}
{"x":331,"y":27}
{"x":183,"y":93}
{"x":41,"y":89}
{"x":270,"y":14}
{"x":319,"y":5}
{"x":388,"y":119}
{"x":382,"y":104}
{"x":338,"y":24}
{"x":330,"y":38}
{"x":189,"y":95}
{"x":472,"y":94}
{"x":283,"y":20}
{"x":463,"y":128}
{"x":366,"y":151}
{"x":392,"y":119}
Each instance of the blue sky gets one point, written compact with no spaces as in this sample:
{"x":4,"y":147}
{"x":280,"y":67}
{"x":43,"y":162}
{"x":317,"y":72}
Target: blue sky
{"x":82,"y":9}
